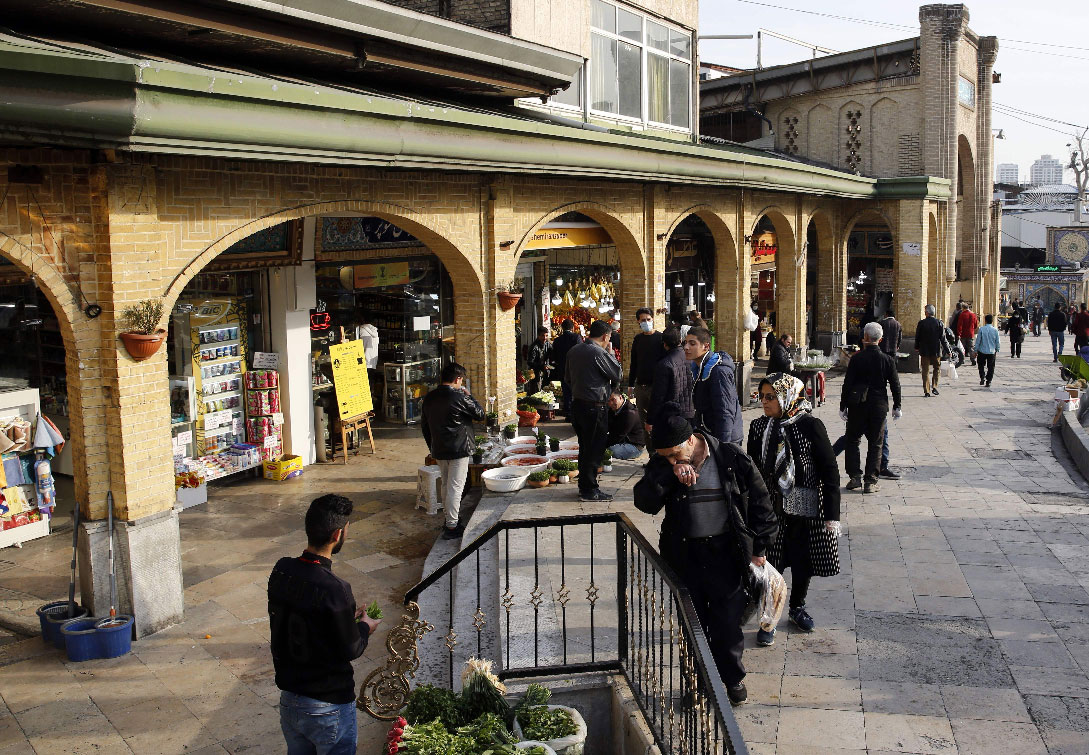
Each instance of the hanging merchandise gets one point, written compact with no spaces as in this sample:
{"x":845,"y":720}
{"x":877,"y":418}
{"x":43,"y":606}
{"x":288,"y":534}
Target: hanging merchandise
{"x":43,"y":480}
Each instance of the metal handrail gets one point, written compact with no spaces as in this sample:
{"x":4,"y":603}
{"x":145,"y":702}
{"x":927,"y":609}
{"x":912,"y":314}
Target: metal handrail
{"x":704,"y":702}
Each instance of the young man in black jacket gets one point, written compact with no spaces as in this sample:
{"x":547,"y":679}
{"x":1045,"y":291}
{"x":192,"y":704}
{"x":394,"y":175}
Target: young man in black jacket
{"x":566,"y":340}
{"x":626,"y":435}
{"x":1056,"y":327}
{"x":448,"y":414}
{"x":864,"y":406}
{"x":718,"y":519}
{"x":540,"y":361}
{"x":673,"y":382}
{"x":593,"y":373}
{"x":646,"y":352}
{"x":932,"y":347}
{"x":317,"y":632}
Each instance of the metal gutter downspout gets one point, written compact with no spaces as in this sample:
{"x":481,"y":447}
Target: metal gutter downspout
{"x":559,"y":120}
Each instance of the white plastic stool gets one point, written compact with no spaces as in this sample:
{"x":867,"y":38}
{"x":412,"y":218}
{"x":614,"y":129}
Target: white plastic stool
{"x":428,"y":489}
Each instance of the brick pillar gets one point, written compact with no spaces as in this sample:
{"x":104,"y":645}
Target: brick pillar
{"x":831,"y":294}
{"x":790,"y":280}
{"x":910,"y":260}
{"x":130,"y":250}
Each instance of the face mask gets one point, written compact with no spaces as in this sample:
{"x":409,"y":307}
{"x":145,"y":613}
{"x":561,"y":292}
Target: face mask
{"x":646,"y":325}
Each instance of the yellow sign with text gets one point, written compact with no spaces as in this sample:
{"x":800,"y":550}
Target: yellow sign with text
{"x":353,"y":388}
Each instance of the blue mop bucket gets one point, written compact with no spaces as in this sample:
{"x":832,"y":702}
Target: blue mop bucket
{"x":114,"y":636}
{"x":52,"y":616}
{"x":81,"y":639}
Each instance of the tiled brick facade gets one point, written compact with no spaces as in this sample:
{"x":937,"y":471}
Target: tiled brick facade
{"x":124,"y":228}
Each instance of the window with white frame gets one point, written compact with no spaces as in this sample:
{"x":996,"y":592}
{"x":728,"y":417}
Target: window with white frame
{"x":639,"y":67}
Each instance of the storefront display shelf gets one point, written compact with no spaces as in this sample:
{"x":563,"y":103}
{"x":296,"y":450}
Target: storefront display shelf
{"x":18,"y":535}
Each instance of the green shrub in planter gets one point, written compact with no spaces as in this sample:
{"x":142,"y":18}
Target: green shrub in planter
{"x":563,"y":466}
{"x":540,"y":476}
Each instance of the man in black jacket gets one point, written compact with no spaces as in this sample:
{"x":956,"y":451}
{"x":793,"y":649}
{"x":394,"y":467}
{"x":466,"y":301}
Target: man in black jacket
{"x":780,"y":360}
{"x":893,"y":334}
{"x":646,"y":351}
{"x":626,"y":435}
{"x":593,"y":373}
{"x":566,"y":340}
{"x":718,"y":519}
{"x":1056,"y":327}
{"x":316,"y":633}
{"x":540,"y":361}
{"x":932,"y":347}
{"x":673,"y":382}
{"x":448,"y":414}
{"x":864,"y":406}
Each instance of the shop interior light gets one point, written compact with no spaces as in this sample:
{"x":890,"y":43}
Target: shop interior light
{"x":677,"y":285}
{"x":559,"y":281}
{"x":556,"y":300}
{"x":701,"y":283}
{"x":711,"y":296}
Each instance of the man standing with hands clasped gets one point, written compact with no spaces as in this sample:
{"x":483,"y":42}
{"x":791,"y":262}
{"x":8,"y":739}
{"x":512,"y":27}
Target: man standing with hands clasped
{"x":317,"y":632}
{"x":593,"y":373}
{"x":864,"y":406}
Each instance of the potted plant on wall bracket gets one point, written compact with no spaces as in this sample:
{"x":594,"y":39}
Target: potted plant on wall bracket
{"x":143,"y":336}
{"x":510,"y":294}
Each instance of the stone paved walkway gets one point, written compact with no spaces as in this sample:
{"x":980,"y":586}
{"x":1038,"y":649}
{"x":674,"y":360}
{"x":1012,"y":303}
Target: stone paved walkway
{"x":960,"y":622}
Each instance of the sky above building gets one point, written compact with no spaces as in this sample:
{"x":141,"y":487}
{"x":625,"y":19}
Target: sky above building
{"x":1042,"y":56}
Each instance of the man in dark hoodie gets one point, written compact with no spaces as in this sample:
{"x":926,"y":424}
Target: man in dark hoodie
{"x":714,"y":396}
{"x":563,"y":344}
{"x":673,"y":383}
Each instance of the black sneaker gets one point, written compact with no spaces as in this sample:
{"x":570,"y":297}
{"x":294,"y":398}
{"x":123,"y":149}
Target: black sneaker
{"x":934,"y":390}
{"x":889,"y":474}
{"x":871,"y":487}
{"x":452,"y":533}
{"x":982,"y":381}
{"x":854,"y":483}
{"x":800,"y":618}
{"x":737,"y":693}
{"x":595,"y":497}
{"x":926,"y":395}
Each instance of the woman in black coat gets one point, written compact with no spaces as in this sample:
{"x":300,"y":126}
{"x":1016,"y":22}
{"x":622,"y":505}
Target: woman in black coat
{"x":1016,"y":328}
{"x":799,"y":467}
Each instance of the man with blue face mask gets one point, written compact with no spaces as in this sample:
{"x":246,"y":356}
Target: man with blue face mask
{"x":646,"y":350}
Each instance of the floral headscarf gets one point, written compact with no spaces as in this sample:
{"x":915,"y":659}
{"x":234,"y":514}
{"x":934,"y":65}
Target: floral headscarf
{"x":777,"y":460}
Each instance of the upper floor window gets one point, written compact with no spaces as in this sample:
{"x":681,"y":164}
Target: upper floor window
{"x":966,"y":91}
{"x":640,"y":68}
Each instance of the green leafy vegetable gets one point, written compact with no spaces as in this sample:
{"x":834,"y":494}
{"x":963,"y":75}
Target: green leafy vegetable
{"x":543,"y":724}
{"x":374,"y":611}
{"x":428,"y":703}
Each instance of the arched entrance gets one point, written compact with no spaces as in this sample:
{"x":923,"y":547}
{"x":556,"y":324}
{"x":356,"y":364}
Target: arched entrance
{"x":778,"y":278}
{"x":255,"y":315}
{"x":968,"y":231}
{"x":690,"y":282}
{"x":870,"y":272}
{"x":824,"y":284}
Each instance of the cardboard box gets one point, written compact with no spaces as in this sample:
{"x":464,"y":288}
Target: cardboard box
{"x":283,"y":469}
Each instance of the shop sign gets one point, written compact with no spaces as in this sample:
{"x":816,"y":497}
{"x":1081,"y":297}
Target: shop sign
{"x":381,"y":274}
{"x":349,"y":234}
{"x":764,"y":247}
{"x":1047,"y":268}
{"x":350,"y":380}
{"x":266,"y":360}
{"x":558,"y":238}
{"x":184,"y":438}
{"x":681,"y":254}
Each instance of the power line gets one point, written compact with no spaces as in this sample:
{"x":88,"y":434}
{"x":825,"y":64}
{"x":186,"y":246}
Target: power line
{"x":1043,"y":52}
{"x":999,"y":111}
{"x":890,"y":25}
{"x":1034,"y":115}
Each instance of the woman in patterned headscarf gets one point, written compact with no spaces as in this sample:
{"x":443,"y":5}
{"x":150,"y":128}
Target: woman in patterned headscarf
{"x":791,"y":448}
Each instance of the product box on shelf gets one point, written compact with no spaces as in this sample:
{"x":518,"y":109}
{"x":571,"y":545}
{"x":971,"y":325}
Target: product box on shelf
{"x":284,"y":468}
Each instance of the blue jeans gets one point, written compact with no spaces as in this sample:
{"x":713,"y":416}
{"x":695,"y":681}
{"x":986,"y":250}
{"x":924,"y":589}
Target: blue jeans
{"x":626,"y":451}
{"x":313,"y":727}
{"x":1058,"y":339}
{"x":841,"y":444}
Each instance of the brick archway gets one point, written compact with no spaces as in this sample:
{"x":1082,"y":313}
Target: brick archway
{"x":789,"y":272}
{"x":830,"y":296}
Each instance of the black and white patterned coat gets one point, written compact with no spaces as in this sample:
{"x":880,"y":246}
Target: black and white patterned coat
{"x":815,"y":467}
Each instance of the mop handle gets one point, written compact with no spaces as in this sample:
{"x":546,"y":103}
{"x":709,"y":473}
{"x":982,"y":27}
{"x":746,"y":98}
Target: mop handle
{"x":75,"y":550}
{"x":113,"y":577}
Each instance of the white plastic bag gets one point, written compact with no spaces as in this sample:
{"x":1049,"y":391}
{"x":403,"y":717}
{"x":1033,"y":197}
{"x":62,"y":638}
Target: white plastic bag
{"x":946,"y":364}
{"x":952,"y":370}
{"x":751,"y":321}
{"x":773,"y":596}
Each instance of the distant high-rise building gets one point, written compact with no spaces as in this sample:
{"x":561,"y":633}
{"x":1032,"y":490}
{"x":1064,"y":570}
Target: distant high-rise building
{"x":1046,"y":170}
{"x":1006,"y":173}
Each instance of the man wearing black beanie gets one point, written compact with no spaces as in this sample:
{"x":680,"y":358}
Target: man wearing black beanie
{"x":718,"y":519}
{"x":593,"y":373}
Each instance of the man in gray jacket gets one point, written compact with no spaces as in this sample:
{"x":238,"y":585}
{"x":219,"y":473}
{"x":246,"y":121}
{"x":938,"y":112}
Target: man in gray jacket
{"x":592,"y":372}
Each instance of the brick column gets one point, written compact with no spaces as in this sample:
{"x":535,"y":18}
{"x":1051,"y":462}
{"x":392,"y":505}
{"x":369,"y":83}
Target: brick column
{"x":790,"y":279}
{"x":831,"y":294}
{"x":911,"y":255}
{"x":130,"y":251}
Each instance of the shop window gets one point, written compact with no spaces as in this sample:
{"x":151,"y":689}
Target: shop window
{"x":639,"y":68}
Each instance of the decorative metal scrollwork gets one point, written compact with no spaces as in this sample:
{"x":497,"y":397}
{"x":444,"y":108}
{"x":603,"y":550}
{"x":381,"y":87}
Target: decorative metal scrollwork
{"x":385,"y":690}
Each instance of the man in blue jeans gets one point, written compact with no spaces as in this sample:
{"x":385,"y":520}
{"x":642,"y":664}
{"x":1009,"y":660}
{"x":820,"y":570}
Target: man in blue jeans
{"x":317,"y":632}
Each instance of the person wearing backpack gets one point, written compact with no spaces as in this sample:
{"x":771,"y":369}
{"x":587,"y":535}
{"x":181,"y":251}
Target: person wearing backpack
{"x":864,"y":406}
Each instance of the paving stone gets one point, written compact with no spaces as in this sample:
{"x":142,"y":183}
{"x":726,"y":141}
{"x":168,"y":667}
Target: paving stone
{"x":797,"y":724}
{"x":931,"y":735}
{"x":902,"y":698}
{"x":821,"y":692}
{"x":985,"y":703}
{"x":975,"y":737}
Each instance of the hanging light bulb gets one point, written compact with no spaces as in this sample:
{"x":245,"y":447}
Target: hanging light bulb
{"x":559,"y":281}
{"x":556,"y":300}
{"x":711,"y":296}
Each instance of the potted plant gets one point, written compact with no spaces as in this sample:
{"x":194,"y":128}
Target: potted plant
{"x":539,"y":479}
{"x":143,"y":336}
{"x":554,"y":444}
{"x":492,"y":419}
{"x":510,"y":431}
{"x":552,"y":475}
{"x":527,"y":416}
{"x":566,"y":470}
{"x":478,"y":455}
{"x":607,"y":463}
{"x":510,"y":294}
{"x":542,"y":445}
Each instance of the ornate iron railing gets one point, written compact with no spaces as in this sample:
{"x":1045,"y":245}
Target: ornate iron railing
{"x":572,"y":594}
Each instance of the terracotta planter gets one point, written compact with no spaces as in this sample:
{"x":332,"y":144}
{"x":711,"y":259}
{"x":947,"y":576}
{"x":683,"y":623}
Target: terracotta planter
{"x":537,"y":483}
{"x":140,"y":346}
{"x":507,"y":300}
